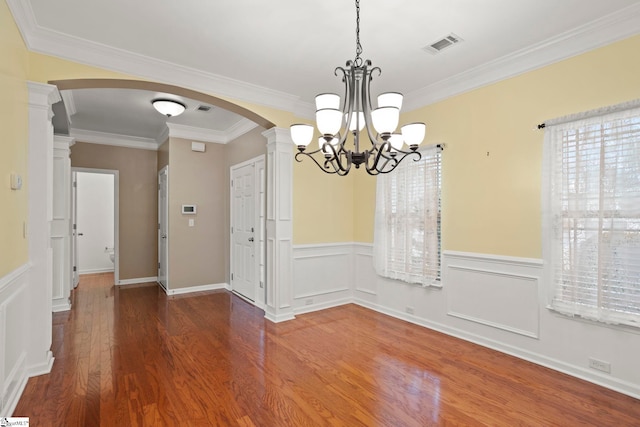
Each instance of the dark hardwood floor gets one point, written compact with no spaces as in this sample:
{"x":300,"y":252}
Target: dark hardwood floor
{"x":131,"y":356}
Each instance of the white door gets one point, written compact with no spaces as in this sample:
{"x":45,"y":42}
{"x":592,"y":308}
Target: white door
{"x":243,"y":227}
{"x":75,"y":275}
{"x":163,"y":225}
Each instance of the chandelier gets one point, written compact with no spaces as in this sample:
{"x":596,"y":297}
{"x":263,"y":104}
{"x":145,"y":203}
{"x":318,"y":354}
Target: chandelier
{"x":336,"y":121}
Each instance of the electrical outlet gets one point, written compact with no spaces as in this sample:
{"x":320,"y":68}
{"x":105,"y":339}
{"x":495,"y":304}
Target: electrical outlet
{"x":409,"y":310}
{"x":600,"y":365}
{"x":309,"y":301}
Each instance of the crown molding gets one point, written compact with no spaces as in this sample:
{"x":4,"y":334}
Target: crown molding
{"x":240,"y":128}
{"x":69,"y":103}
{"x":601,"y":32}
{"x":117,"y":140}
{"x":49,"y":42}
{"x":598,"y":33}
{"x":162,"y":136}
{"x":199,"y":134}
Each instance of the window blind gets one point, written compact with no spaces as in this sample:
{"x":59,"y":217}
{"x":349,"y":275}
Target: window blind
{"x":594,"y":171}
{"x":407,"y":220}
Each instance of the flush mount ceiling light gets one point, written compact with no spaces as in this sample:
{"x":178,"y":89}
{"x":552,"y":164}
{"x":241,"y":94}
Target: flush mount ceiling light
{"x":336,"y":121}
{"x":168,"y":107}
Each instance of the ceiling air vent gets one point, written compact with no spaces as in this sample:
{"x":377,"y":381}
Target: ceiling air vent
{"x":203,"y":108}
{"x":443,"y":43}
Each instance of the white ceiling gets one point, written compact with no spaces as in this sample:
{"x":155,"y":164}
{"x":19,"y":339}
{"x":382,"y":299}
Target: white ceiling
{"x":281,"y":53}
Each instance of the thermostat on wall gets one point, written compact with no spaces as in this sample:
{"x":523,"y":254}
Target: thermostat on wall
{"x":189,"y":209}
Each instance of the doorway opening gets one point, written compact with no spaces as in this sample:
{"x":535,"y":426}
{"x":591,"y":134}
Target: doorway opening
{"x":95,"y":225}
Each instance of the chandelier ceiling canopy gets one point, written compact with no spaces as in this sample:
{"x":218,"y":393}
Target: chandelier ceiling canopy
{"x":336,"y":118}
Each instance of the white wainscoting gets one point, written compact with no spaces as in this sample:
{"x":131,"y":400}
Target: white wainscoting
{"x":14,"y":326}
{"x":322,"y":276}
{"x":470,"y":278}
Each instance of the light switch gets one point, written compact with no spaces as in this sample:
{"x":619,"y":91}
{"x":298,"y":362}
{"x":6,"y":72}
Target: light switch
{"x":192,"y":222}
{"x":16,"y":181}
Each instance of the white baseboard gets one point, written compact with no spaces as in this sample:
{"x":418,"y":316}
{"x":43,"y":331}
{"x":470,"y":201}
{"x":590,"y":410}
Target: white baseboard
{"x":96,"y":270}
{"x":137,"y":280}
{"x":200,"y":288}
{"x":279,"y":318}
{"x":322,"y":306}
{"x":60,"y":304}
{"x":42,"y":368}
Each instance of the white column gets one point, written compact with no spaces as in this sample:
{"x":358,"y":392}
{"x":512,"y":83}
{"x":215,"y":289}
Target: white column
{"x":40,"y":187}
{"x":61,"y":223}
{"x":279,"y":305}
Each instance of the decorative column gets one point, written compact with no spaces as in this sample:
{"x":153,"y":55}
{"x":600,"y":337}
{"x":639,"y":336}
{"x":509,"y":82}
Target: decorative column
{"x":279,"y":304}
{"x":40,"y":187}
{"x":61,"y":223}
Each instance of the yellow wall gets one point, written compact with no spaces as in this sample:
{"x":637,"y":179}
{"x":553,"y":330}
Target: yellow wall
{"x":315,"y":195}
{"x":491,"y":202}
{"x":492,"y":161}
{"x":322,"y":205}
{"x":13,"y":147}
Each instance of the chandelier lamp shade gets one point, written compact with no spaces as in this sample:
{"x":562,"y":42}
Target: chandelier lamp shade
{"x":354,"y":114}
{"x":168,"y":107}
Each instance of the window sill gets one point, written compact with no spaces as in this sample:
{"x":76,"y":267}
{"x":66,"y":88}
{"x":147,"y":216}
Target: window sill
{"x":615,"y":326}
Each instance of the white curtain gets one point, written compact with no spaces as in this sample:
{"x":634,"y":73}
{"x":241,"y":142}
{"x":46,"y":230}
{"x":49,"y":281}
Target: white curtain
{"x":591,"y":210}
{"x":407,"y":221}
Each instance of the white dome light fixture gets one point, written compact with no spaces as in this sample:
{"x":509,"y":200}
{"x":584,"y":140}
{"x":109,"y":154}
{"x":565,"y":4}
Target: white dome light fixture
{"x":356,"y":115}
{"x":168,"y":107}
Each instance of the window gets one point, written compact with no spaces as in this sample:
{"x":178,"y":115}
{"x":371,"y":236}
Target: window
{"x":592,"y":211}
{"x":407,"y":221}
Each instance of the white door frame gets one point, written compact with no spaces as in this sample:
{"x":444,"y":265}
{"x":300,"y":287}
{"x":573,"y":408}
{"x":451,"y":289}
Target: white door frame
{"x":116,"y":217}
{"x":260,"y":225}
{"x":75,"y":275}
{"x":165,"y":240}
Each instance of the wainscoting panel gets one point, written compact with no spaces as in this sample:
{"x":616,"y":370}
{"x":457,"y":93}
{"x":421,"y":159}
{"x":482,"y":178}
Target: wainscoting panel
{"x":14,"y":323}
{"x":512,"y":304}
{"x":501,"y":292}
{"x":323,"y":276}
{"x":320,"y":270}
{"x":367,"y":279}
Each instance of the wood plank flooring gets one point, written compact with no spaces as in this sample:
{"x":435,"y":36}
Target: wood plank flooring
{"x":131,"y":356}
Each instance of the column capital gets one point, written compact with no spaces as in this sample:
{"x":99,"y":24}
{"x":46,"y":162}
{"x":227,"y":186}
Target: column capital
{"x":42,"y":94}
{"x":278,"y":135}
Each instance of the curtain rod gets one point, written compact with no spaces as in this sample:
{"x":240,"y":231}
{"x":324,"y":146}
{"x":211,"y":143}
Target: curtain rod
{"x":593,"y":113}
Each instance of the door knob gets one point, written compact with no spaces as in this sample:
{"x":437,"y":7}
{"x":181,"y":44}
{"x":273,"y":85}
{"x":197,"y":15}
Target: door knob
{"x":164,"y":236}
{"x":80,"y":234}
{"x":251,"y":239}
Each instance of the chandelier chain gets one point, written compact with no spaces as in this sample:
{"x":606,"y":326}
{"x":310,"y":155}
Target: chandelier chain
{"x":358,"y":61}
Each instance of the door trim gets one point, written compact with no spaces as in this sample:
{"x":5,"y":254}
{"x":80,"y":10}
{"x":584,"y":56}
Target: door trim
{"x":164,"y":171}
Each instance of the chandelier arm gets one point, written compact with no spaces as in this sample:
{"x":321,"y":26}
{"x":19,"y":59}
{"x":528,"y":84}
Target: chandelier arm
{"x":347,"y":108}
{"x":336,"y":157}
{"x":381,"y":169}
{"x":379,"y":153}
{"x":366,"y":100}
{"x":301,"y":153}
{"x":336,"y":163}
{"x":399,"y":160}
